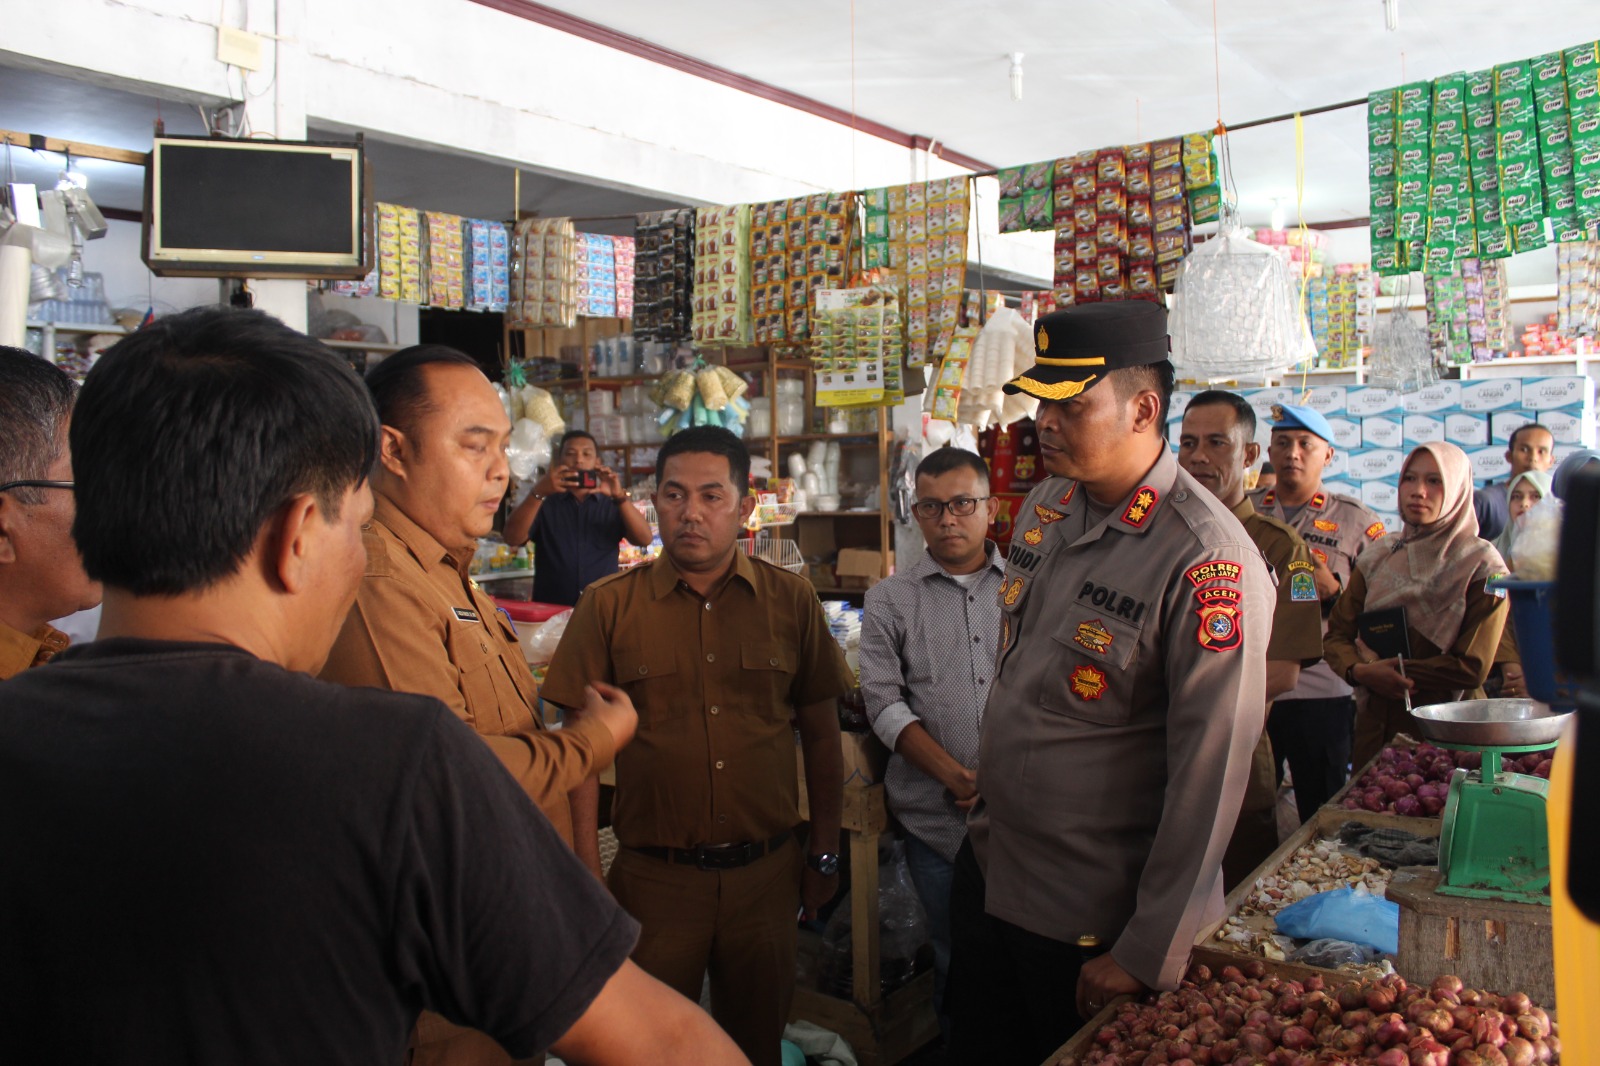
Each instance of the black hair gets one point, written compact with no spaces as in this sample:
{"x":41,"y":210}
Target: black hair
{"x":399,"y":388}
{"x":713,"y":440}
{"x":191,"y":433}
{"x":1512,"y":441}
{"x":575,"y":434}
{"x":35,"y":402}
{"x":1160,"y":378}
{"x":1242,"y":411}
{"x":941,"y":461}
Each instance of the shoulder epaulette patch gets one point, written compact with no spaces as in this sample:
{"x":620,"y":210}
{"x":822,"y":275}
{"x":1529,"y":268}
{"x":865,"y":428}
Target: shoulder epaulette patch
{"x":1375,"y":531}
{"x":1141,"y":507}
{"x":1319,"y":501}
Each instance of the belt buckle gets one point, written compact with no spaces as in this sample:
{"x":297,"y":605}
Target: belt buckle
{"x":721,"y":857}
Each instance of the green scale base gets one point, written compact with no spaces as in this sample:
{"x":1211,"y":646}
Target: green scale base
{"x":1493,"y":842}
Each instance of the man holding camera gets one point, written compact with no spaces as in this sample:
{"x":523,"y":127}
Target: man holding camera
{"x":575,"y":516}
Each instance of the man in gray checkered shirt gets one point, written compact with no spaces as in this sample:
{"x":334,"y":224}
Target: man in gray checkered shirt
{"x":928,"y":642}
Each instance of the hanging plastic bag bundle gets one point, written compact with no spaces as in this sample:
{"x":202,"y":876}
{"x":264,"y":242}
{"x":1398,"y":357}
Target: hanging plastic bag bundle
{"x":1235,"y":309}
{"x":1401,"y":357}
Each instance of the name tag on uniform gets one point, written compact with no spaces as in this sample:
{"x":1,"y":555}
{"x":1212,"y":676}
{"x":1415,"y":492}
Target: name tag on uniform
{"x":466,"y":614}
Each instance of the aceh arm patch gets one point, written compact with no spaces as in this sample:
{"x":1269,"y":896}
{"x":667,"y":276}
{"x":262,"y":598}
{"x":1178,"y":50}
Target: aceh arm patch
{"x":1221,"y":610}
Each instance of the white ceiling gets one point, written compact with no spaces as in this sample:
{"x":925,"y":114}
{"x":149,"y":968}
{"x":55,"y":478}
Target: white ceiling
{"x":1103,"y":72}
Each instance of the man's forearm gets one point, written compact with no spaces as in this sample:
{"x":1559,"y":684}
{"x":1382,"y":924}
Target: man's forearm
{"x":634,"y":527}
{"x":918,"y":748}
{"x":824,"y":761}
{"x":584,"y":802}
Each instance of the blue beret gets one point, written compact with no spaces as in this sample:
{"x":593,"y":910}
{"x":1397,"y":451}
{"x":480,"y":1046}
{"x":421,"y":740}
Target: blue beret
{"x":1288,"y":416}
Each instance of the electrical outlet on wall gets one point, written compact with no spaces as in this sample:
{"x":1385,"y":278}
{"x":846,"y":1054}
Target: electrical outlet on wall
{"x":239,"y":48}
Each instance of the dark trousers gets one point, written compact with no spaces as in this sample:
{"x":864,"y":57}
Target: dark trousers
{"x":1011,"y":994}
{"x":1314,"y":736}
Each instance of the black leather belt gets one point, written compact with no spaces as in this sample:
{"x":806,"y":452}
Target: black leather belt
{"x":719,"y":856}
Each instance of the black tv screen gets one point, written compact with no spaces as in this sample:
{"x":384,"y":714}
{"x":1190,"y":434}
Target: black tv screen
{"x":254,"y":208}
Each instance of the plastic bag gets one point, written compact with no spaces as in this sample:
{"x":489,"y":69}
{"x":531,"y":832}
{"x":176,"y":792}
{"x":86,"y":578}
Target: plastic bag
{"x":539,"y":641}
{"x":1401,"y":357}
{"x":903,"y":947}
{"x":1235,"y":310}
{"x":1352,"y":914}
{"x":1533,"y":555}
{"x":1331,"y":954}
{"x":528,"y":449}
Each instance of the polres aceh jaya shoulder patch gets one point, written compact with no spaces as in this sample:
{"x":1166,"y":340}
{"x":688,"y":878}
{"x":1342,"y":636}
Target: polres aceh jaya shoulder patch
{"x":1215,"y":570}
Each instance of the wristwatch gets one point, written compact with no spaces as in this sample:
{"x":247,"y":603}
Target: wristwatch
{"x":826,"y":864}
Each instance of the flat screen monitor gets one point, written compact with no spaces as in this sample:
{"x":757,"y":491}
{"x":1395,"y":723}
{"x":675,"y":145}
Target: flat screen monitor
{"x":225,"y":208}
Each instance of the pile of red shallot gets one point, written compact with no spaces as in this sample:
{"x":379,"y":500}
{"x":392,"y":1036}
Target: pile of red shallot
{"x":1414,"y":782}
{"x":1243,"y":1017}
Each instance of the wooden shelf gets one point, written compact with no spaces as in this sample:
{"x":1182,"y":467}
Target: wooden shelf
{"x":869,"y":437}
{"x":839,"y":514}
{"x":627,"y":379}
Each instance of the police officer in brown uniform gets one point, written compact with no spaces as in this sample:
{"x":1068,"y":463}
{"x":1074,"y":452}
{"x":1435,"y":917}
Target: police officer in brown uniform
{"x":1216,"y":447}
{"x":1311,"y":727}
{"x":1128,"y":696}
{"x":725,"y":656}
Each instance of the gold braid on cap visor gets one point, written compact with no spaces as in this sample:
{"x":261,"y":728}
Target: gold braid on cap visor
{"x":1062,"y":390}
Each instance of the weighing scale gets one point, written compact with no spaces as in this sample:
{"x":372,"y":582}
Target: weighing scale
{"x":1493,"y":843}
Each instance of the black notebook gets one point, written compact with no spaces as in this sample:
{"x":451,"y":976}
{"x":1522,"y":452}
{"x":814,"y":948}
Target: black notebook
{"x":1384,"y":631}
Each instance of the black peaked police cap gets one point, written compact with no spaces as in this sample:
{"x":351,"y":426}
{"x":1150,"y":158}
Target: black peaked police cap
{"x":1076,"y":348}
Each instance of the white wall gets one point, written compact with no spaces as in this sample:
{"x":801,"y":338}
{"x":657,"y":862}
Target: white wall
{"x":129,"y":282}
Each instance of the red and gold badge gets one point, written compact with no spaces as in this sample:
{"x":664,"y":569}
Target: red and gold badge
{"x":1318,"y":501}
{"x":1221,"y":619}
{"x":1034,"y":536}
{"x":1375,"y":531}
{"x":1088,"y":683}
{"x":1094,"y":636}
{"x":1215,"y":570}
{"x":1267,"y":500}
{"x":1066,"y":497}
{"x":1325,"y":525}
{"x":1009,"y":593}
{"x":1320,"y":555}
{"x":1143,"y":503}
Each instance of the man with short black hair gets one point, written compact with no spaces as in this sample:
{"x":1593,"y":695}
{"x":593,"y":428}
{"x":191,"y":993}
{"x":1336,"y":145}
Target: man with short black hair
{"x":924,"y":697}
{"x":575,"y":515}
{"x":725,"y":656}
{"x":1216,"y":447}
{"x":1128,"y":695}
{"x":421,"y":624}
{"x":1530,"y":447}
{"x":299,"y":867}
{"x":41,"y":573}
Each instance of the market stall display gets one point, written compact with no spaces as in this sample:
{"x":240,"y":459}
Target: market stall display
{"x":915,"y":237}
{"x":1256,"y":1013}
{"x":796,"y":249}
{"x":1468,"y":309}
{"x":544,"y":274}
{"x":663,"y":275}
{"x":722,"y":275}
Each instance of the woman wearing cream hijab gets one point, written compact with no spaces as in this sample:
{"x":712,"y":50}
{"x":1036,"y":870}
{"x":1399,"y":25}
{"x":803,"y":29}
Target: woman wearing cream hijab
{"x":1436,"y":568}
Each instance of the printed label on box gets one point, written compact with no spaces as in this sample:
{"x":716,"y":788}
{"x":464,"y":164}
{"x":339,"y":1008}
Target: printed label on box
{"x":1327,"y":399}
{"x":1549,"y":394}
{"x":1346,"y":433}
{"x":1338,"y":466}
{"x":1569,"y":427}
{"x":1381,"y":495}
{"x":1344,"y":488}
{"x":1420,"y":429}
{"x":1493,"y":394}
{"x":1504,"y":423}
{"x":1382,"y":432}
{"x":1438,"y":398}
{"x":1370,"y":400}
{"x":1489,"y":463}
{"x":1375,"y":464}
{"x":1467,"y":430}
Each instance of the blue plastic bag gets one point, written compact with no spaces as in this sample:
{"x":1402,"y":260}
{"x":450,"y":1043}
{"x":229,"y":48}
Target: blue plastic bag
{"x":1344,"y":914}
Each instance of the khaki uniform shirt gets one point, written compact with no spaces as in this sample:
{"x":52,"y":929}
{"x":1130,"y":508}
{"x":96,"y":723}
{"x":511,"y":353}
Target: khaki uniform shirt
{"x":1129,"y":694}
{"x":419,"y":625}
{"x":716,"y":681}
{"x":1297,"y":620}
{"x":19,"y":651}
{"x":1337,"y":529}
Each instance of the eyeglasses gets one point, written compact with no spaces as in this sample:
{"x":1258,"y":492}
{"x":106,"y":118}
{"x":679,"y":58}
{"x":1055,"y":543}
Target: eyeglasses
{"x":34,"y":483}
{"x":961,"y":506}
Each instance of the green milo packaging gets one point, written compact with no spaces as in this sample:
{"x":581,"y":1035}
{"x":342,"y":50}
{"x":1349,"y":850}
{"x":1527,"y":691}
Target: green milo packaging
{"x":1412,"y":160}
{"x":1412,"y":129}
{"x":1585,"y":122}
{"x":1512,"y":78}
{"x":1582,"y":57}
{"x":1381,"y":106}
{"x":1381,"y":227}
{"x":1487,"y":210}
{"x":1414,"y":98}
{"x":1449,"y":92}
{"x":1381,"y":163}
{"x":1516,"y":107}
{"x":1583,"y":88}
{"x":1528,"y":235}
{"x":1477,"y":87}
{"x":1522,"y":202}
{"x":1494,"y":241}
{"x":1411,"y":223}
{"x":1381,"y":195}
{"x":1516,"y":139}
{"x":1548,"y":68}
{"x":1586,"y":158}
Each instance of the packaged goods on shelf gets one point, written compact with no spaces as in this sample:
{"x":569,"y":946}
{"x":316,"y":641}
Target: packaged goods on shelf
{"x":1468,"y":312}
{"x":663,"y":275}
{"x":856,"y":347}
{"x":544,"y":266}
{"x":488,"y":255}
{"x":796,"y":248}
{"x":916,"y":237}
{"x":1578,"y":287}
{"x":624,"y":255}
{"x":595,"y":271}
{"x":722,"y":275}
{"x":399,"y":251}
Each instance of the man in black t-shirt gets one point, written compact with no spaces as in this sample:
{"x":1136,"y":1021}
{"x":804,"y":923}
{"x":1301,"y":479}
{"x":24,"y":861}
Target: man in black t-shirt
{"x":211,"y":857}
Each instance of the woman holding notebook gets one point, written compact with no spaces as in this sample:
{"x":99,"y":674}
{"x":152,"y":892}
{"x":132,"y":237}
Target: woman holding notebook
{"x":1416,"y":624}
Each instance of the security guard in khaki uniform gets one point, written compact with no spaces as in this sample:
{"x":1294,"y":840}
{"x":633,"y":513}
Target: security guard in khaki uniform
{"x":1313,"y":725}
{"x":1216,"y":447}
{"x":1128,"y":695}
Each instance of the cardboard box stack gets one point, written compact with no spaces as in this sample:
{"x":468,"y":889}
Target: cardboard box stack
{"x":1375,"y":429}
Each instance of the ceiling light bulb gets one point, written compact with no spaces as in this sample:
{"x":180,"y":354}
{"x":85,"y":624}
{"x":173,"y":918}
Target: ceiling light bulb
{"x":1279,"y":215}
{"x":1391,"y":15}
{"x":1016,"y":75}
